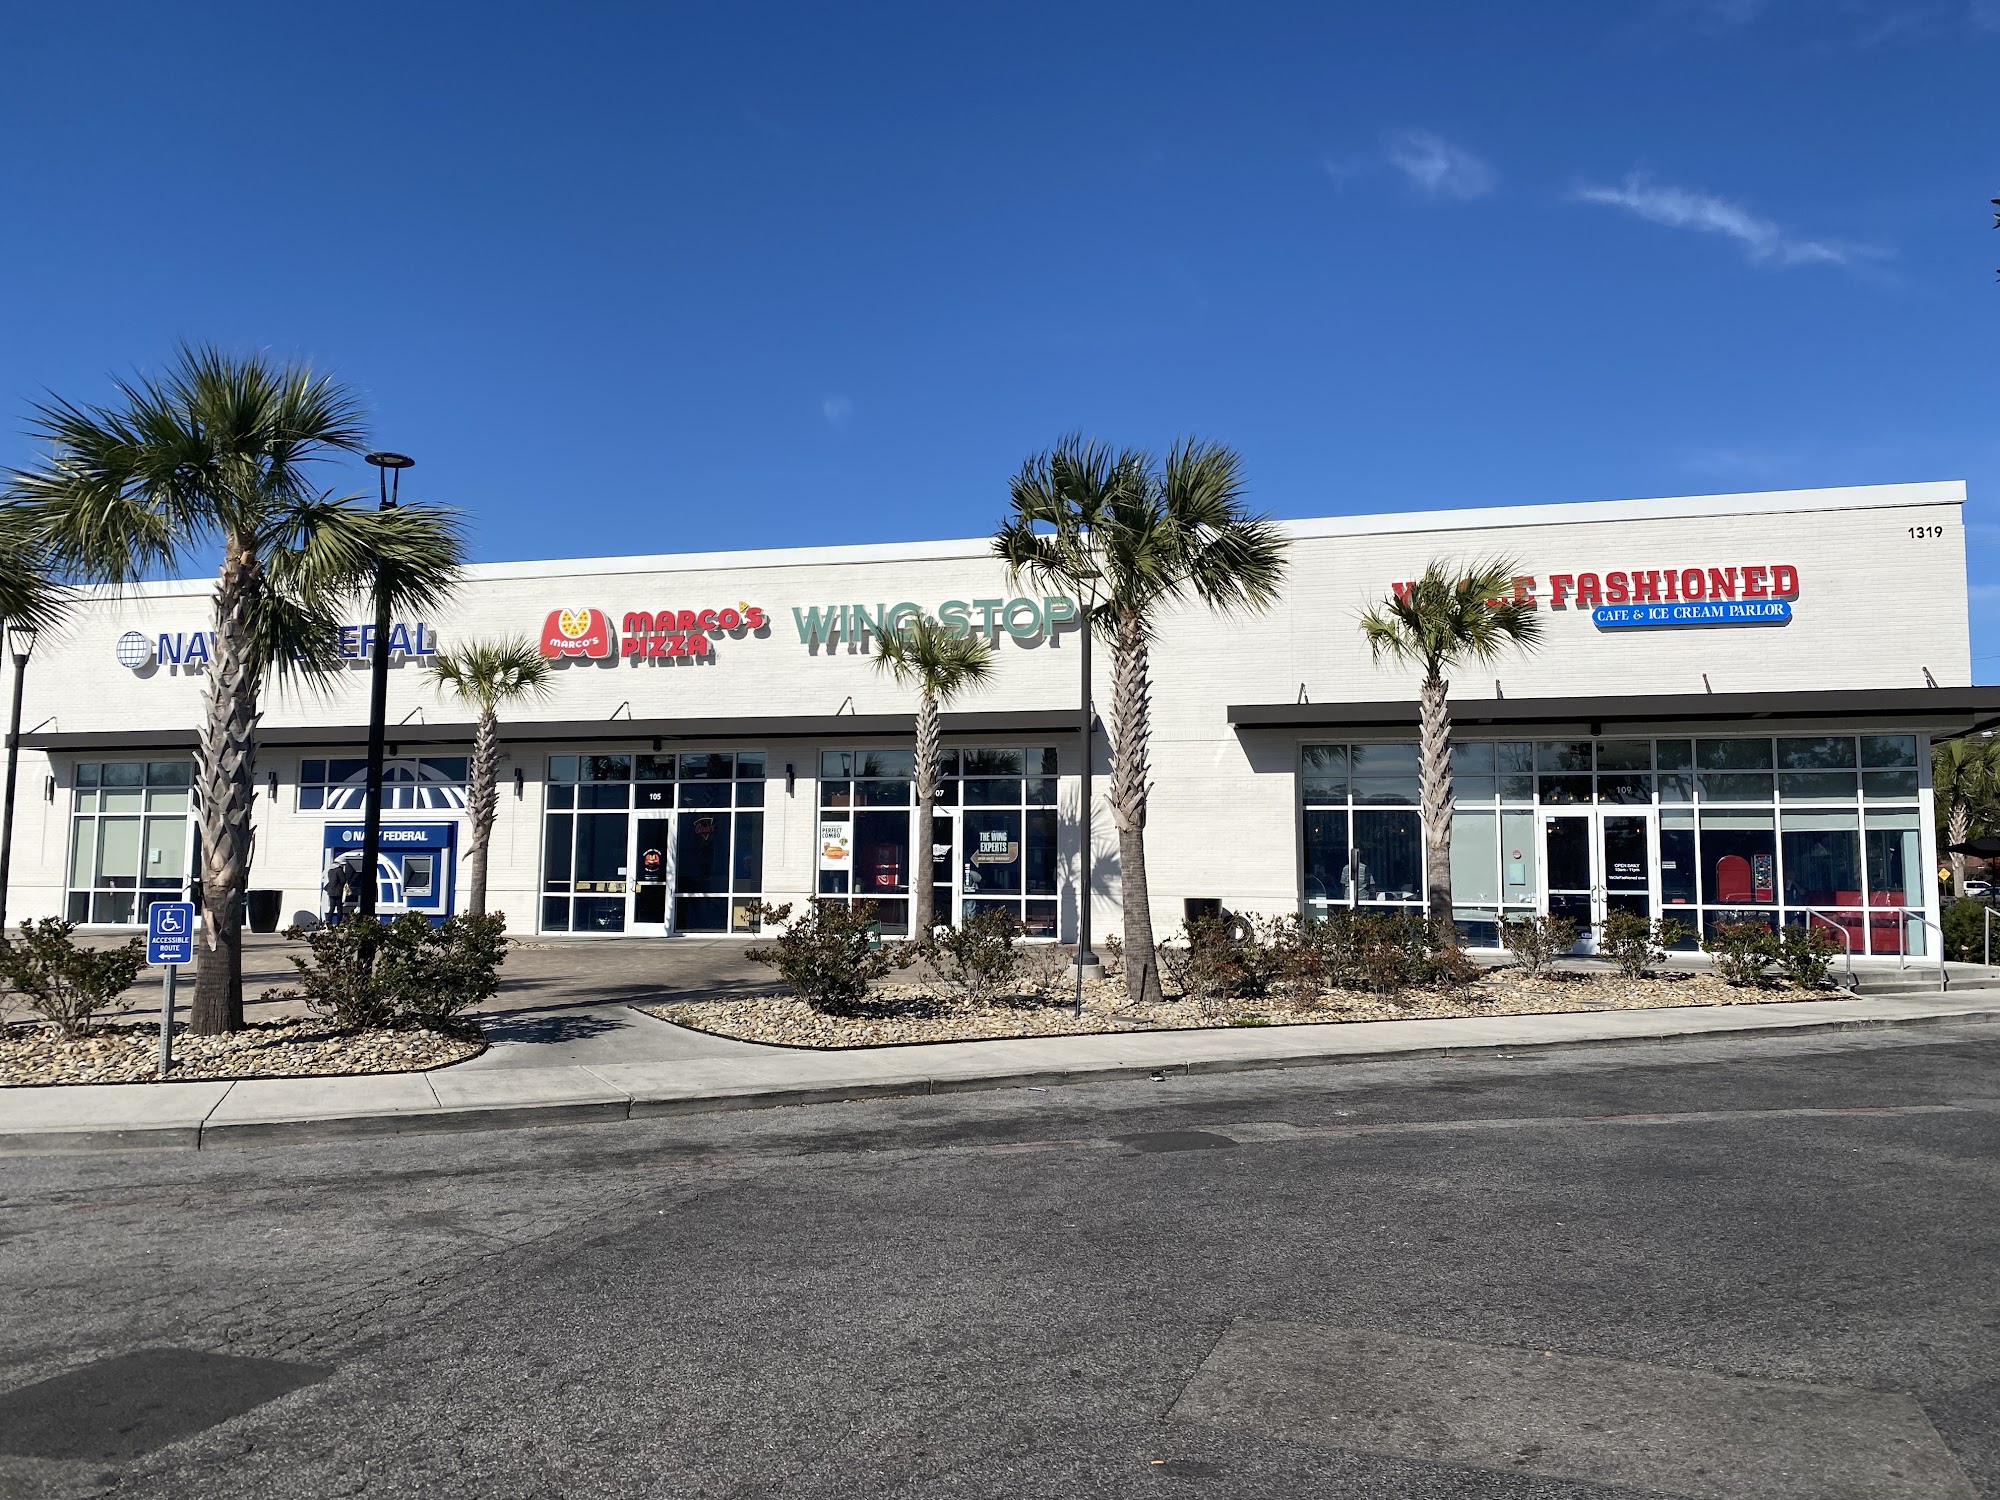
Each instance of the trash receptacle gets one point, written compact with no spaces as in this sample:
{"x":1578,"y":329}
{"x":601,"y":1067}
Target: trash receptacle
{"x":874,"y":936}
{"x":265,"y":907}
{"x":1194,"y":908}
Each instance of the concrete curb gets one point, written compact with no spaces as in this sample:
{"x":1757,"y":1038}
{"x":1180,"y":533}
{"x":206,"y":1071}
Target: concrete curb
{"x":638,"y":1106}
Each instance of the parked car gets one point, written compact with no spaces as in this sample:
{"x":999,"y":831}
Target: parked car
{"x":1978,"y":887}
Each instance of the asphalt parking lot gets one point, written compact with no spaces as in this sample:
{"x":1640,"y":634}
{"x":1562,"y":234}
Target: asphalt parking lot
{"x":1745,"y":1267}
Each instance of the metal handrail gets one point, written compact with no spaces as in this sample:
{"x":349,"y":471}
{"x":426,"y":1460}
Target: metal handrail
{"x":1903,"y":947}
{"x":1846,"y":940}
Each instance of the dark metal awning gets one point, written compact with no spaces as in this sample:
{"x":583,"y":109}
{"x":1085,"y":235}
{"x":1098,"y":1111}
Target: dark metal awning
{"x":1946,"y":711}
{"x":583,"y":731}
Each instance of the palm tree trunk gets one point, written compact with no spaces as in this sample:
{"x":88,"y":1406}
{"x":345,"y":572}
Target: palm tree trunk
{"x":225,"y":770}
{"x":923,"y":900}
{"x":484,"y":803}
{"x":1434,"y":783}
{"x":1131,"y":712}
{"x":1957,"y":830}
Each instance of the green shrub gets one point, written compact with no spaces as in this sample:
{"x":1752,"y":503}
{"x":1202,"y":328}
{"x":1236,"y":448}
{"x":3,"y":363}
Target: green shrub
{"x":1205,"y":964}
{"x":1805,"y":953}
{"x":66,"y":985}
{"x":363,"y":975}
{"x":1536,"y":942}
{"x":827,"y":955}
{"x":1743,"y":951}
{"x":1636,"y":945}
{"x":977,"y":959}
{"x":1964,"y":925}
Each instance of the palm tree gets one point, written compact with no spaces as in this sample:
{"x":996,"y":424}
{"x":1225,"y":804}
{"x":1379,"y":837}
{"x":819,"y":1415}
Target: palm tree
{"x":489,"y":676}
{"x":1965,"y":780}
{"x":1136,"y":536}
{"x":1444,"y":620}
{"x":217,"y":454}
{"x":925,"y":655}
{"x":28,"y":595}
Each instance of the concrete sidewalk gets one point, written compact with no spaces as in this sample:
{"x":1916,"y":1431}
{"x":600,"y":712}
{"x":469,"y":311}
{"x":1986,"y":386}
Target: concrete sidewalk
{"x":625,"y":1065}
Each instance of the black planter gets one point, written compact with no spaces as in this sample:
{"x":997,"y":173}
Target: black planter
{"x":265,"y":909}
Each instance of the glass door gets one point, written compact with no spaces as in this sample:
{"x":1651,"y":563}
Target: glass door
{"x":1627,"y":845}
{"x":944,"y":860}
{"x":652,"y":873}
{"x":1568,"y":874}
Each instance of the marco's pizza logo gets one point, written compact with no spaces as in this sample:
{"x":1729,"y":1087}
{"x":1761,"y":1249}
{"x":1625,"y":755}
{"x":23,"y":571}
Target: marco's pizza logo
{"x":576,"y":632}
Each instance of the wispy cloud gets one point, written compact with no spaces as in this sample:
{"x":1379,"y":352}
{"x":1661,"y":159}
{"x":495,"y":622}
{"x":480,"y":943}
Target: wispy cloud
{"x":1437,"y":168}
{"x":1763,"y":242}
{"x":836,"y":410}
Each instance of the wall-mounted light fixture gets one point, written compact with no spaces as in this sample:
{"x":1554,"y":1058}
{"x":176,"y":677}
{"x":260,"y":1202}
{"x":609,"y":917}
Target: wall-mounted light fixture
{"x":271,"y":783}
{"x":788,"y":778}
{"x":49,"y":788}
{"x":394,"y":750}
{"x":656,"y":744}
{"x":520,"y":783}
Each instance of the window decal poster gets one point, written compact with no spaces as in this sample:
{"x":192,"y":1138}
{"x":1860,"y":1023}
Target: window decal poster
{"x":836,"y":851}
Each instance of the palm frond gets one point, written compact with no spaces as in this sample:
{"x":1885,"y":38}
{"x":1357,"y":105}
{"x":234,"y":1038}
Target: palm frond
{"x":1452,"y":616}
{"x":28,"y":595}
{"x":488,"y":675}
{"x":1144,"y":534}
{"x":215,"y":447}
{"x":925,"y":655}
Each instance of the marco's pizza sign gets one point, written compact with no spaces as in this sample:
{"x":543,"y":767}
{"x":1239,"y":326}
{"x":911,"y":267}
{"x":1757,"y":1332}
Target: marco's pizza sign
{"x":590,"y":635}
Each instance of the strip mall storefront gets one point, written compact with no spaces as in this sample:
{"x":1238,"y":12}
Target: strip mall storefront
{"x":1731,"y":716}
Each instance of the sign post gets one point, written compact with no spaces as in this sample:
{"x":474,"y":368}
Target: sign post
{"x":169,"y":941}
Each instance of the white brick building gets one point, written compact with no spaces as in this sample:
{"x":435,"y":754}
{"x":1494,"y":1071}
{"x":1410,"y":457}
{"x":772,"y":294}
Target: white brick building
{"x":1732,"y":713}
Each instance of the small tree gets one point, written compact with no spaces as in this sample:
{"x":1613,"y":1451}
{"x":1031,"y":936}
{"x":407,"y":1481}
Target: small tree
{"x":488,"y":676}
{"x":66,"y":985}
{"x":1536,"y":942}
{"x":940,"y":665}
{"x":830,"y":955}
{"x":1444,"y":620}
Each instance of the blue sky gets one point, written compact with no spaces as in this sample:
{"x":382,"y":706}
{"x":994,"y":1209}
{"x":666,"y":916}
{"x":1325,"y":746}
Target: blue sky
{"x":636,"y":278}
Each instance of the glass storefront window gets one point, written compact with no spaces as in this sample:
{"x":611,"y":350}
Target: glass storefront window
{"x":1383,"y":775}
{"x":1888,"y":750}
{"x":428,"y":782}
{"x":131,"y":839}
{"x":1822,"y":858}
{"x":588,"y":883}
{"x":997,"y":804}
{"x":1732,"y":755}
{"x":1388,"y":856}
{"x":1739,"y":858}
{"x":1779,"y":826}
{"x":1823,"y":753}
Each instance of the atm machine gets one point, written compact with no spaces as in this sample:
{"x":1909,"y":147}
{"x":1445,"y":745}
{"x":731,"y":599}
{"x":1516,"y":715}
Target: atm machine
{"x":416,"y":869}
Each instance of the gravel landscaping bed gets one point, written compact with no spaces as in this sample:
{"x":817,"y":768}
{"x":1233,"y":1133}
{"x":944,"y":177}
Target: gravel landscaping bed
{"x":902,"y":1013}
{"x":274,"y":1049}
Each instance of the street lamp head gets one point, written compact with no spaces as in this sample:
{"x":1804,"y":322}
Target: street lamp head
{"x":385,"y":465}
{"x":21,"y":642}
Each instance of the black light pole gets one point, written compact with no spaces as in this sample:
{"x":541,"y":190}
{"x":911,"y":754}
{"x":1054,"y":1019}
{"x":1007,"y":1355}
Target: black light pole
{"x":378,"y":698}
{"x":21,"y":642}
{"x":1087,"y":965}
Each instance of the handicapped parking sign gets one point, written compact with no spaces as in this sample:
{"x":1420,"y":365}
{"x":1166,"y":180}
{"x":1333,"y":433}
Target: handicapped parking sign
{"x":170,"y":932}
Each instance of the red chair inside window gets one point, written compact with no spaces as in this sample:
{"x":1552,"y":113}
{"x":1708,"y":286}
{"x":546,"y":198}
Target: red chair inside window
{"x":1732,"y":880}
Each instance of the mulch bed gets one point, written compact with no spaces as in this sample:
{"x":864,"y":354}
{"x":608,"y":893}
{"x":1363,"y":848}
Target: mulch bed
{"x":898,"y":1014}
{"x":36,"y":1055}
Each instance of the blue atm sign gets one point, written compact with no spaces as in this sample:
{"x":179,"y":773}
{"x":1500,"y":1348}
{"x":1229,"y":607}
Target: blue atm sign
{"x":1711,"y":612}
{"x":170,"y":932}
